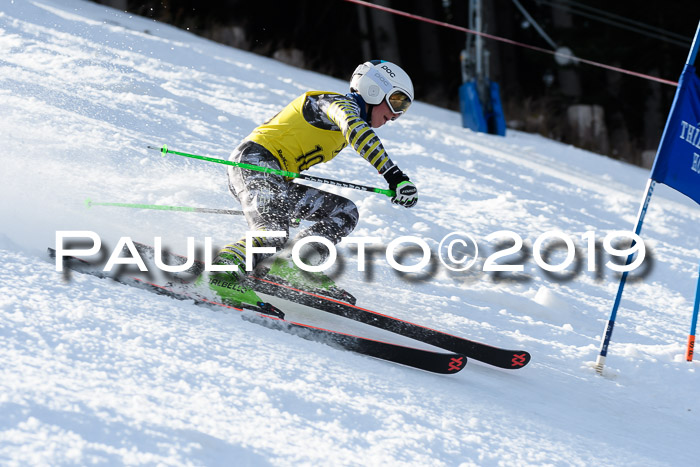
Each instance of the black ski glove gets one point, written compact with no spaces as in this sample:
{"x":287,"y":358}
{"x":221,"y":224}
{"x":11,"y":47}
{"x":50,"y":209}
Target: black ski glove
{"x":406,"y":192}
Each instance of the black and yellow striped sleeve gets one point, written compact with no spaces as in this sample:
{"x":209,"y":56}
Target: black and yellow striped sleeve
{"x":358,"y":134}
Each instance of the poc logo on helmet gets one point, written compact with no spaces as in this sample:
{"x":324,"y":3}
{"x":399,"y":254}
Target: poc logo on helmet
{"x":388,"y":70}
{"x":383,"y":80}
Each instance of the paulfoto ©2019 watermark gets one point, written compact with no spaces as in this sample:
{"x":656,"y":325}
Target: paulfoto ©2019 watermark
{"x":556,"y":253}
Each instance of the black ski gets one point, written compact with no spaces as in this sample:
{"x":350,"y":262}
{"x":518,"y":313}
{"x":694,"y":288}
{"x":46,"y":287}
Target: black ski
{"x":495,"y":356}
{"x":273,"y":318}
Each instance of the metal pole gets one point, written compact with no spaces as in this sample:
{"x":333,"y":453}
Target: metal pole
{"x":160,"y":207}
{"x":479,"y":41}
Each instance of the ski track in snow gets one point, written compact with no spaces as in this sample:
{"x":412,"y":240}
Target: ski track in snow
{"x":94,"y":372}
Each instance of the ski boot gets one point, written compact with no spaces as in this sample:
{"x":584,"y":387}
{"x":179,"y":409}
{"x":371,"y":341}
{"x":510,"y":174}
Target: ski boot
{"x":231,"y":287}
{"x":283,"y":271}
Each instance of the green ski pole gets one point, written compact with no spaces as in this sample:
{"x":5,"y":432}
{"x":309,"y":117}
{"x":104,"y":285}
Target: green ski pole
{"x":164,"y":150}
{"x":89,"y":203}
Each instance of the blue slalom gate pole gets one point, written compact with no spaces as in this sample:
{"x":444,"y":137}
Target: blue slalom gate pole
{"x":655,"y":176}
{"x":605,"y":342}
{"x":693,"y":323}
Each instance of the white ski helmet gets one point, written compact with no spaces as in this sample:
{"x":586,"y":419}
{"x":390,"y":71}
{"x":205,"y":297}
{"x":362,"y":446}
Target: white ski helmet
{"x":378,"y":80}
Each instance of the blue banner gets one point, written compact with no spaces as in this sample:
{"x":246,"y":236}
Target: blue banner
{"x":678,"y":158}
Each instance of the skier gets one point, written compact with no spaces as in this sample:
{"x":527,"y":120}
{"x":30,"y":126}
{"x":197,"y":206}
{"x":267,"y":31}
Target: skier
{"x":312,"y":129}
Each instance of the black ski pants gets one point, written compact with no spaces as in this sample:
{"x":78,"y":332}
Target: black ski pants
{"x":271,"y":203}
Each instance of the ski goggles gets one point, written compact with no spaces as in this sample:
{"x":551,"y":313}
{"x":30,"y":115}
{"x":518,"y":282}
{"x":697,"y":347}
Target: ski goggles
{"x":398,"y":101}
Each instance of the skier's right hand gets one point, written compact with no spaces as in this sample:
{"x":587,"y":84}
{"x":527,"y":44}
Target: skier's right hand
{"x":406,"y":192}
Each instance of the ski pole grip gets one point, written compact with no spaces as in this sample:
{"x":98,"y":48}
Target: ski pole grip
{"x":389,"y":193}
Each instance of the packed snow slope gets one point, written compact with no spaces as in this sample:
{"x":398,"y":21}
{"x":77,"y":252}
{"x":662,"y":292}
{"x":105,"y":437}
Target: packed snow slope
{"x":94,"y":372}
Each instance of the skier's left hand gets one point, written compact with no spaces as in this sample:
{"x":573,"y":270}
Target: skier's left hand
{"x":406,"y":192}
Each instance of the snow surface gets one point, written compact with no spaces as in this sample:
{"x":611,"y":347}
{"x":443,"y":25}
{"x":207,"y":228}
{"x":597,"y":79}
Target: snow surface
{"x":94,"y":372}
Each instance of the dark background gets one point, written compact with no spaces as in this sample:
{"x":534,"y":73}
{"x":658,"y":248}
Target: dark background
{"x":333,"y":36}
